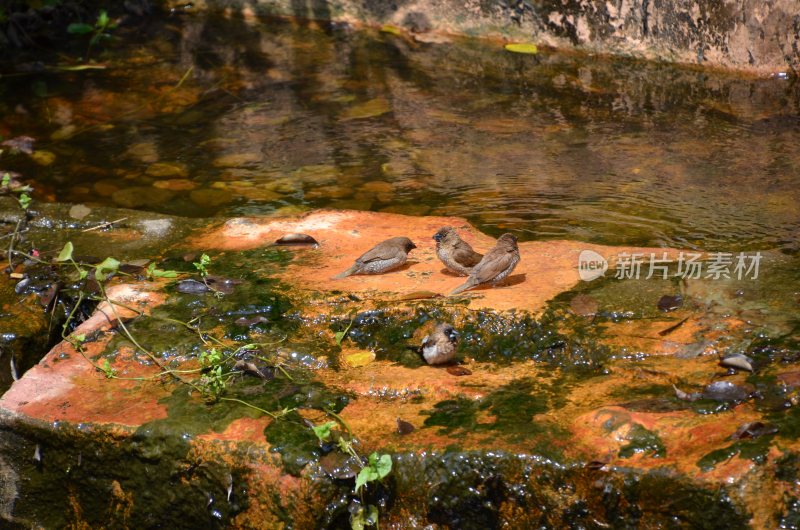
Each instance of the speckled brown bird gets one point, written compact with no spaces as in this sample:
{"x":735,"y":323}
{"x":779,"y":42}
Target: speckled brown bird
{"x":440,"y":346}
{"x":455,"y":253}
{"x":383,"y":257}
{"x":495,"y":266}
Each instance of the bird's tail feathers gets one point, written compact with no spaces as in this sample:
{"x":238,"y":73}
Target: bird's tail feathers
{"x":346,"y":273}
{"x":463,"y":287}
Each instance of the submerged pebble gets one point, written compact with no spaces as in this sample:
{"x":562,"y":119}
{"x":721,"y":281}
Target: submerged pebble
{"x":670,"y":302}
{"x":238,"y":159}
{"x":725,"y":391}
{"x":141,"y":196}
{"x":192,"y":287}
{"x":210,"y":198}
{"x":167,"y":169}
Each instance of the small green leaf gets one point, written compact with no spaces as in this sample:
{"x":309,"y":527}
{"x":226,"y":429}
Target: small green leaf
{"x":364,"y":517}
{"x":378,"y":466}
{"x":66,"y":252}
{"x":105,"y":268}
{"x":358,"y":519}
{"x":102,"y":20}
{"x":383,"y":465}
{"x":6,"y":180}
{"x":202,"y":265}
{"x":24,"y":201}
{"x":366,"y":474}
{"x":340,"y":335}
{"x":79,"y":29}
{"x":522,"y":47}
{"x":152,"y":272}
{"x":80,"y":337}
{"x":372,"y":515}
{"x":323,"y":431}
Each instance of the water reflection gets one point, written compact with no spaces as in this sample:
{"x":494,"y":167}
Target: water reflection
{"x":226,"y":117}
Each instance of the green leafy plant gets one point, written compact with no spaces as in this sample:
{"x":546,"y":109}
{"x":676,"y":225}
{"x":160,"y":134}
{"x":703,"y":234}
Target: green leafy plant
{"x":212,"y":382}
{"x":378,"y":466}
{"x":202,"y":265}
{"x":104,"y":269}
{"x":24,"y":200}
{"x":99,"y":31}
{"x":110,"y":372}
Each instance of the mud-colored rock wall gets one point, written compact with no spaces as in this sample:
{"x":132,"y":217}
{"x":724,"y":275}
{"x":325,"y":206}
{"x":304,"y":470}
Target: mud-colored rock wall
{"x":751,"y":35}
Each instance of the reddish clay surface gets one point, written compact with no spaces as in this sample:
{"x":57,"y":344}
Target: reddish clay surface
{"x":546,"y":268}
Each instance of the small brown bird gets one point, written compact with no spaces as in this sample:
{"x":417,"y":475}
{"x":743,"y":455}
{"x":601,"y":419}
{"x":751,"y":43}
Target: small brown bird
{"x":383,"y":257}
{"x":495,"y":266}
{"x":440,"y":346}
{"x":455,"y":253}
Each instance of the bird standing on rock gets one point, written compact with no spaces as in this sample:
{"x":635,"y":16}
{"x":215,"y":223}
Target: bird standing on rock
{"x":383,"y":257}
{"x":440,"y":346}
{"x":495,"y":266}
{"x":455,"y":253}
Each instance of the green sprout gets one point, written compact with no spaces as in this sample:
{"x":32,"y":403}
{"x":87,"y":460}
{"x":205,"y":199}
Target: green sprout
{"x":202,"y":265}
{"x":99,"y":31}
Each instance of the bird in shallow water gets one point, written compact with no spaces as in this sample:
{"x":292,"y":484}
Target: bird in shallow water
{"x":383,"y":257}
{"x":455,"y":253}
{"x":440,"y":346}
{"x":495,"y":266}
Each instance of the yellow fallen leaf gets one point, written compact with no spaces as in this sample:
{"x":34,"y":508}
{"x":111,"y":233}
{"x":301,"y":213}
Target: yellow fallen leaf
{"x":355,"y":358}
{"x":394,"y":30}
{"x":522,"y":47}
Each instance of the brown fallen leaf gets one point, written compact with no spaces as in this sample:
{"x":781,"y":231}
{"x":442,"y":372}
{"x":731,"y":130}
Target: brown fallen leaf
{"x":458,"y":371}
{"x":249,"y":368}
{"x":419,"y":295}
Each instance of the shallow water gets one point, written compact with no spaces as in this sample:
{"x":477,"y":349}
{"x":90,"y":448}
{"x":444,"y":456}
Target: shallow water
{"x":222,"y":117}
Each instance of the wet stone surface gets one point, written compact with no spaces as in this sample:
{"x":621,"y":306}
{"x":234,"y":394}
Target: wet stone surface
{"x":585,"y":404}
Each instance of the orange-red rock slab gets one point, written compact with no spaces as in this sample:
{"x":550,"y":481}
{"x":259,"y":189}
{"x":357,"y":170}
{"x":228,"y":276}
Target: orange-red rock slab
{"x":546,"y":269}
{"x":64,"y":386}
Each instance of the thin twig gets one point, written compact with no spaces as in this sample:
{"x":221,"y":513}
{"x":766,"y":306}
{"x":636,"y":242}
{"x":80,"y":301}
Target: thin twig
{"x":103,"y":225}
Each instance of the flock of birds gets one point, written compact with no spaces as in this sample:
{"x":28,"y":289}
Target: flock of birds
{"x":459,"y":257}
